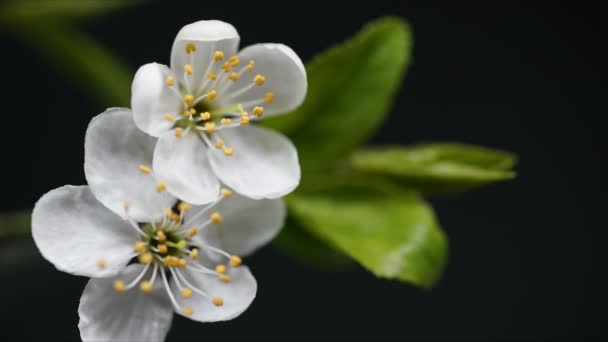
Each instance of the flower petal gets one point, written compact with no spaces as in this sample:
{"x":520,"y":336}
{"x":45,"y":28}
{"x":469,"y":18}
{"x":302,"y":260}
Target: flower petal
{"x":207,"y":36}
{"x":152,"y":99}
{"x":106,"y":315}
{"x":264,"y":164}
{"x":236,"y":295}
{"x":182,"y":164}
{"x":246,"y":225}
{"x":284,"y":74}
{"x":79,"y":235}
{"x":114,"y":150}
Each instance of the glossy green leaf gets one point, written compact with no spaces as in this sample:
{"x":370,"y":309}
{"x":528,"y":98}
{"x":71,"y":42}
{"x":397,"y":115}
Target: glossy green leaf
{"x":15,"y":224}
{"x":350,"y":90}
{"x":438,"y":167}
{"x":99,"y":74}
{"x":392,"y":233}
{"x":299,"y":245}
{"x":19,"y":10}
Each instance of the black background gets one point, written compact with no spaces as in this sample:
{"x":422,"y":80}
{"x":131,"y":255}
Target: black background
{"x":524,"y":254}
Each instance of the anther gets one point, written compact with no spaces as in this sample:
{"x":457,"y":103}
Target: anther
{"x":125,"y":205}
{"x":250,"y":65}
{"x":170,"y":81}
{"x":169,"y":117}
{"x":184,"y":207}
{"x":259,"y":79}
{"x":228,"y":151}
{"x":210,"y":127}
{"x":188,"y":99}
{"x":140,"y":247}
{"x":226,"y":67}
{"x":192,"y":232}
{"x":212,"y":76}
{"x":192,"y":111}
{"x":234,"y":61}
{"x":190,"y":47}
{"x":162,"y":248}
{"x":216,"y":218}
{"x":146,"y":258}
{"x":218,"y":56}
{"x":179,"y":132}
{"x":145,"y":286}
{"x":187,"y":311}
{"x":161,"y":236}
{"x":188,"y":69}
{"x":119,"y":286}
{"x":212,"y":95}
{"x":101,"y":264}
{"x":205,"y":115}
{"x":144,"y":169}
{"x":234,"y":76}
{"x":220,"y":269}
{"x":194,"y":253}
{"x":258,"y":111}
{"x":224,"y":278}
{"x":244,"y":120}
{"x":182,"y":263}
{"x":235,"y":261}
{"x":166,"y":261}
{"x":219,"y":143}
{"x":226,"y":121}
{"x":173,"y":261}
{"x":160,"y":187}
{"x":269,"y":97}
{"x":186,"y":292}
{"x":217,"y":301}
{"x":226,"y":193}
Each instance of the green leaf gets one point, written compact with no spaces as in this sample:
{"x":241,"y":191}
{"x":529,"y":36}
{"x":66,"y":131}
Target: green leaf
{"x":350,"y":90}
{"x":19,"y":10}
{"x":298,"y":244}
{"x":15,"y":224}
{"x":101,"y":75}
{"x":392,"y":233}
{"x":439,"y":167}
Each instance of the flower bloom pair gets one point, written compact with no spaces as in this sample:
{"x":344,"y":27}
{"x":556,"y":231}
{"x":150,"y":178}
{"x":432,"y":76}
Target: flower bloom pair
{"x":178,"y":189}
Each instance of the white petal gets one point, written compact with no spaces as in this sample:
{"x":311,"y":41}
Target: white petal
{"x":106,"y":315}
{"x":182,"y":164}
{"x":152,"y":99}
{"x":285,"y":77}
{"x":208,"y":36}
{"x":237,"y":295}
{"x":246,"y":225}
{"x":114,"y":150}
{"x":75,"y":232}
{"x":264,"y":164}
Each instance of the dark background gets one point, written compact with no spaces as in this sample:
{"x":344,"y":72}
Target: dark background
{"x":524,"y":254}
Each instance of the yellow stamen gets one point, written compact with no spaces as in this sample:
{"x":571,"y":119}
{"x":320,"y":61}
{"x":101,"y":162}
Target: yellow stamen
{"x":190,"y":47}
{"x":160,"y":187}
{"x":125,"y":205}
{"x":175,"y":217}
{"x":188,"y":99}
{"x":161,"y":236}
{"x":162,"y":248}
{"x":224,"y":278}
{"x":140,"y":247}
{"x":188,"y":69}
{"x":212,"y":76}
{"x":250,"y":65}
{"x":216,"y":218}
{"x":219,"y":144}
{"x":258,"y":111}
{"x":210,"y":127}
{"x":269,"y":97}
{"x":228,"y":151}
{"x":170,"y":81}
{"x":226,"y":67}
{"x":169,"y":117}
{"x":179,"y":132}
{"x":145,"y":286}
{"x":205,"y":115}
{"x":187,"y":311}
{"x":220,"y":269}
{"x":144,"y":169}
{"x":244,"y":120}
{"x":212,"y":95}
{"x":226,"y":121}
{"x":174,"y":262}
{"x":186,"y":292}
{"x":192,"y":111}
{"x":234,"y":76}
{"x":184,"y":207}
{"x":119,"y":286}
{"x":192,"y":232}
{"x":217,"y":301}
{"x":146,"y":258}
{"x":218,"y":56}
{"x":182,"y":263}
{"x":166,"y":261}
{"x":235,"y":261}
{"x":259,"y":79}
{"x":234,"y":61}
{"x":194,"y":253}
{"x":226,"y":193}
{"x":101,"y":264}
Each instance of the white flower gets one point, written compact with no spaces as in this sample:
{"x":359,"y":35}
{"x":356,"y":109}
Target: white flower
{"x":147,"y":260}
{"x":200,"y":107}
